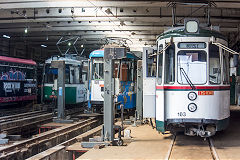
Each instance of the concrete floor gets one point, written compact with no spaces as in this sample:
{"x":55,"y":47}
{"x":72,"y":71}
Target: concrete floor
{"x":148,"y":144}
{"x":227,"y":143}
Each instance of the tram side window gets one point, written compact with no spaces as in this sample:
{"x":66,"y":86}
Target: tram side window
{"x":130,"y":71}
{"x":214,"y":65}
{"x":225,"y":68}
{"x":72,"y":75}
{"x":75,"y":76}
{"x":67,"y":75}
{"x":170,"y":65}
{"x":116,"y":70}
{"x":151,"y":66}
{"x":126,"y":72}
{"x":84,"y":74}
{"x":160,"y":67}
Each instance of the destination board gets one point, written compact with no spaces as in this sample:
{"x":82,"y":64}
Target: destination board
{"x":193,"y":45}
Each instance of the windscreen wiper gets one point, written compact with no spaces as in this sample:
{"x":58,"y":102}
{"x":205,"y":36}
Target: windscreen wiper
{"x":187,"y":78}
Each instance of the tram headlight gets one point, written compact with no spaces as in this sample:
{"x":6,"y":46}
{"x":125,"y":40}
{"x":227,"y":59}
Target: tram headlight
{"x":192,"y":96}
{"x":192,"y":107}
{"x":191,"y":25}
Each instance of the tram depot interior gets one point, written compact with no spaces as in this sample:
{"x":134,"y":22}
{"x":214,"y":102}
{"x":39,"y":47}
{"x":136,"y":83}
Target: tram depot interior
{"x":127,"y":79}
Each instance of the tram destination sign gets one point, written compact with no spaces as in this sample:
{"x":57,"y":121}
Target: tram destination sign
{"x":192,"y":45}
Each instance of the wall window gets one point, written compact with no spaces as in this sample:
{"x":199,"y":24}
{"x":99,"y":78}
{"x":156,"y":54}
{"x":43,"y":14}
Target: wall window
{"x":214,"y":65}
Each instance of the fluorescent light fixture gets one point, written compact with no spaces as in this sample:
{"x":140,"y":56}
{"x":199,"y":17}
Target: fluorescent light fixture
{"x":82,"y":46}
{"x":69,"y":43}
{"x":6,"y":36}
{"x":26,"y":30}
{"x":44,"y":46}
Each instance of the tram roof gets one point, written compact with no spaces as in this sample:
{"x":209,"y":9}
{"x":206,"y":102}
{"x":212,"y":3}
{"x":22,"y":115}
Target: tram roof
{"x":180,"y":32}
{"x":17,"y":60}
{"x":68,"y":59}
{"x":100,"y":53}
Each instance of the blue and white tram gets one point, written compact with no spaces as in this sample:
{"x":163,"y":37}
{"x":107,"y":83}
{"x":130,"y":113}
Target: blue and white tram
{"x":125,"y":80}
{"x":192,"y":83}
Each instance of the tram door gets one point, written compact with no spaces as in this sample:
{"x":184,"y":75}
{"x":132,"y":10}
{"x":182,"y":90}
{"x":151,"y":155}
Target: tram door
{"x":149,"y":83}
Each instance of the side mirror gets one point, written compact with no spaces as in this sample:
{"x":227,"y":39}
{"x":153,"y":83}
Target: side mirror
{"x":235,"y":60}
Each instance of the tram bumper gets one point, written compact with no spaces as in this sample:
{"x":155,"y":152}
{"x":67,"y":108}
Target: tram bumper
{"x":199,"y":127}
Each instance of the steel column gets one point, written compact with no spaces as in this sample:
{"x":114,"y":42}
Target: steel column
{"x":139,"y":103}
{"x":108,"y":98}
{"x":61,"y":87}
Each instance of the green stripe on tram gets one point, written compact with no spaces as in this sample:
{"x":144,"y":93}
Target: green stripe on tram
{"x":70,"y":94}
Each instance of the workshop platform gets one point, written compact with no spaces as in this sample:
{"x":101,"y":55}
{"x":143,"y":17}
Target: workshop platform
{"x":146,"y":142}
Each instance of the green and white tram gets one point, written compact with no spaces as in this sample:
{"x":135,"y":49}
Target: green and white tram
{"x":75,"y":80}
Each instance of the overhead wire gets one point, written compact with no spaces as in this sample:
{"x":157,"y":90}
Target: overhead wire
{"x":110,"y":18}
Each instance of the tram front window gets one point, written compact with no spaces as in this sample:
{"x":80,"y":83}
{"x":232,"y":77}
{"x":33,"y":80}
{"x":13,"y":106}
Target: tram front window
{"x":194,"y":64}
{"x":97,"y":69}
{"x":51,"y":74}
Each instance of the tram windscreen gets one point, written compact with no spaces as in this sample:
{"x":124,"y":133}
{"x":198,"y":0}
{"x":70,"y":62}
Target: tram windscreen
{"x":52,"y":73}
{"x":194,"y":64}
{"x":97,"y":68}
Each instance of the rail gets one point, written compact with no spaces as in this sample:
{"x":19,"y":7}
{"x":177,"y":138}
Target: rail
{"x":170,"y":153}
{"x":25,"y":149}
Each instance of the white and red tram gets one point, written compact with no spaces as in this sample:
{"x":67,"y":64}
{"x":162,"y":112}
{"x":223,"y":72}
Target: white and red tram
{"x":192,"y":81}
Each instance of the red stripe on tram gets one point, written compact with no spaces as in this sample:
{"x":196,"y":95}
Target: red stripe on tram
{"x":197,"y":87}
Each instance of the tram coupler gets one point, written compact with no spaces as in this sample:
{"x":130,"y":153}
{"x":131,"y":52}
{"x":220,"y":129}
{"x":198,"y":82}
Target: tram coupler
{"x":208,"y":132}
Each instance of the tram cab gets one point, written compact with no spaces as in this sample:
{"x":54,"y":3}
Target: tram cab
{"x":192,"y":80}
{"x":124,"y":77}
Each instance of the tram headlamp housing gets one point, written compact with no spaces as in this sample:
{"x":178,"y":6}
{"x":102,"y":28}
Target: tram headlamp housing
{"x":192,"y":96}
{"x":192,"y":107}
{"x":191,"y":25}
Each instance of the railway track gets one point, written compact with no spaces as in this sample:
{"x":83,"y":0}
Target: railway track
{"x":185,"y":147}
{"x":46,"y":140}
{"x":17,"y":123}
{"x":17,"y":109}
{"x":20,"y":116}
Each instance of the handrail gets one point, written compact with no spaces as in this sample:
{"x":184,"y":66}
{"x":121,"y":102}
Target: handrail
{"x":225,"y":48}
{"x":161,"y":51}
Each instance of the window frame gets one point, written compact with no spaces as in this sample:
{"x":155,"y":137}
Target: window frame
{"x":193,"y":50}
{"x":174,"y":65}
